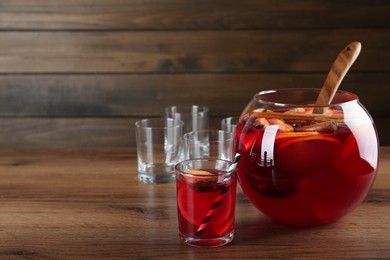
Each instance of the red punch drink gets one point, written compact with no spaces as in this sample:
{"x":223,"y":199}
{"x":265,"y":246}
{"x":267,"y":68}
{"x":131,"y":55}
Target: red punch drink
{"x":206,"y":191}
{"x":302,"y":168}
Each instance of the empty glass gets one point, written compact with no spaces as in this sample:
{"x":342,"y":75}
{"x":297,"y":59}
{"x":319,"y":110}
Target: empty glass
{"x":213,"y":144}
{"x":159,"y":148}
{"x":229,"y":124}
{"x":194,"y":117}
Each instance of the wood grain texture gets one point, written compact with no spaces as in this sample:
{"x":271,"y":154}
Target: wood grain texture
{"x":199,"y":14}
{"x":67,"y":132}
{"x":88,"y":203}
{"x":336,"y":74}
{"x":96,"y":132}
{"x":78,"y":72}
{"x":147,"y":95}
{"x":72,"y":132}
{"x":188,"y":52}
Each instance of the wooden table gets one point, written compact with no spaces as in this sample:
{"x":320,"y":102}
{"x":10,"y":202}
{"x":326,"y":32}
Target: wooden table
{"x":88,"y":203}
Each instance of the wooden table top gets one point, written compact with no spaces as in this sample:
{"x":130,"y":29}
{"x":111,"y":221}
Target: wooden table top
{"x":88,"y":203}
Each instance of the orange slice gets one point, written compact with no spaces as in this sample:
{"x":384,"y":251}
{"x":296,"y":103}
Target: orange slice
{"x":308,"y":155}
{"x":360,"y":152}
{"x":194,"y":206}
{"x":294,"y":135}
{"x":198,"y":172}
{"x":195,"y":175}
{"x":334,"y":112}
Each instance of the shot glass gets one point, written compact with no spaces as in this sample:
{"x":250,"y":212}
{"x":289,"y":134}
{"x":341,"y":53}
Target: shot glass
{"x":194,"y":117}
{"x":159,"y":148}
{"x":229,"y":124}
{"x":213,"y":144}
{"x":206,"y":198}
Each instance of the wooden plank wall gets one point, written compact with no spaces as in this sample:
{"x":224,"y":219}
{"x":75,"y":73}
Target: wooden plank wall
{"x":81,"y":72}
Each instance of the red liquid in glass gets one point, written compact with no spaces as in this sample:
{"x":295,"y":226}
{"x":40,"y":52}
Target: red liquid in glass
{"x":195,"y":199}
{"x":313,"y":178}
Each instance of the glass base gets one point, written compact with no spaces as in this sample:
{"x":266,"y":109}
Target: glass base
{"x":210,"y":242}
{"x":156,"y":173}
{"x":152,"y":178}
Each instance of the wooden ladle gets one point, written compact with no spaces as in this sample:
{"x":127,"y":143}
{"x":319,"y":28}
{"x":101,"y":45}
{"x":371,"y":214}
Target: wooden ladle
{"x":339,"y":69}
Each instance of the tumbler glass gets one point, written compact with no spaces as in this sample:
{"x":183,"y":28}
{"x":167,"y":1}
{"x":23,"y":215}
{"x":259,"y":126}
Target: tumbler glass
{"x":159,"y":148}
{"x":206,"y":199}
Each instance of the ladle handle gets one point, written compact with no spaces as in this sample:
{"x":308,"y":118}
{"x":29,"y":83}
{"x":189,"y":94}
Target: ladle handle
{"x":340,"y":67}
